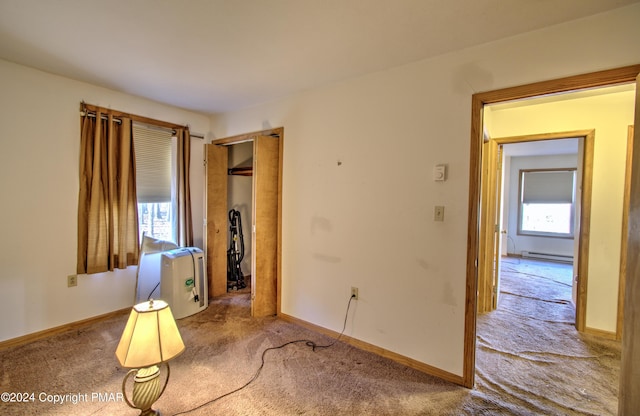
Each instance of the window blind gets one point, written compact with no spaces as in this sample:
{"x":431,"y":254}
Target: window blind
{"x":547,"y":187}
{"x":152,"y":147}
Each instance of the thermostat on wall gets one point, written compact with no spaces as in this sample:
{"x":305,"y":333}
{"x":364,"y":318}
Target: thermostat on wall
{"x":440,"y":173}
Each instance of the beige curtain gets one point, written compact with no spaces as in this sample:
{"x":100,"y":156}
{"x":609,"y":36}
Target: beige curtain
{"x":107,"y":205}
{"x":182,"y":191}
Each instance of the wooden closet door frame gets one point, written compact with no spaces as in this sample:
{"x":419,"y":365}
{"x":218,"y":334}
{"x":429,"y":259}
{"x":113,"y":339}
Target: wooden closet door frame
{"x":228,"y":141}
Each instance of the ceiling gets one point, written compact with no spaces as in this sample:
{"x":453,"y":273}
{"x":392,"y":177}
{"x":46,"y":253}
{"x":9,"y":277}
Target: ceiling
{"x":214,"y":56}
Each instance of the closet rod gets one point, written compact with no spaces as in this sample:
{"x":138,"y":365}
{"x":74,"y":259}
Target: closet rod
{"x":119,"y":121}
{"x":246,"y":171}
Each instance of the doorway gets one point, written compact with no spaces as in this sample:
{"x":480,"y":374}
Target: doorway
{"x":539,"y":213}
{"x":503,"y":163}
{"x":474,"y":262}
{"x":264,"y":170}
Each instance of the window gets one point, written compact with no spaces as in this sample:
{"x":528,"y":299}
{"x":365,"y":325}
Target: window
{"x":154,"y":149}
{"x":547,"y":202}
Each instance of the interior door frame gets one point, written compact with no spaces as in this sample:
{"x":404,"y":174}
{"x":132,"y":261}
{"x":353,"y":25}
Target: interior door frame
{"x":274,"y":132}
{"x":625,"y":232}
{"x":628,"y":398}
{"x":479,"y":100}
{"x":582,"y":230}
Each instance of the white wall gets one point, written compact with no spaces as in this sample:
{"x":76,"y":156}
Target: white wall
{"x":368,"y":222}
{"x":39,"y":162}
{"x":610,"y":115}
{"x":516,"y":244}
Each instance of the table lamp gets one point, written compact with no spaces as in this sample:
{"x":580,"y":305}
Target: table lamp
{"x":150,"y":338}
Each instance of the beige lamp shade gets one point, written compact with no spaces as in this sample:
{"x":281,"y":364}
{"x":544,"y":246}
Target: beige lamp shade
{"x":150,"y":337}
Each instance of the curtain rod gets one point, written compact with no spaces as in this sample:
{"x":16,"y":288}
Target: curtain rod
{"x":85,"y":110}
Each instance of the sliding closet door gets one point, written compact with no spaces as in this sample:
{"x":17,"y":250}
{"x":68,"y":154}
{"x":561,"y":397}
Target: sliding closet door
{"x":217,"y":220}
{"x":265,"y":226}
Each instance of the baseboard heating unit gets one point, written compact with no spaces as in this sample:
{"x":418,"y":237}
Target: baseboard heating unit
{"x":547,"y":256}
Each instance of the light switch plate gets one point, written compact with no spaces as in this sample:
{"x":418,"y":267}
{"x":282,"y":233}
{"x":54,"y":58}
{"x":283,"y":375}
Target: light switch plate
{"x":438,"y":213}
{"x":439,"y":173}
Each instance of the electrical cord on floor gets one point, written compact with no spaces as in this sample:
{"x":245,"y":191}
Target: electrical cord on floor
{"x":308,"y":343}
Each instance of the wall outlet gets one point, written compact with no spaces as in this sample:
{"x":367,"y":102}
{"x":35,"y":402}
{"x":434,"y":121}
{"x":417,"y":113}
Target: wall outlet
{"x":72,"y":280}
{"x":354,"y":292}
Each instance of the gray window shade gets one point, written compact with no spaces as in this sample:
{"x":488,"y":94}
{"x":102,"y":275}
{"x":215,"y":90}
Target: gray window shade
{"x":547,"y":187}
{"x":153,"y":163}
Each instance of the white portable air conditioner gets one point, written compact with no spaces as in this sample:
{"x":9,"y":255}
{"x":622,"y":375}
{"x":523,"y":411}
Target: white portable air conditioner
{"x":183,"y":282}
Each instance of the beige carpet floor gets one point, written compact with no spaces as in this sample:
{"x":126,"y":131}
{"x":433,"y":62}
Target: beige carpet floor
{"x":529,"y":351}
{"x":530,"y":361}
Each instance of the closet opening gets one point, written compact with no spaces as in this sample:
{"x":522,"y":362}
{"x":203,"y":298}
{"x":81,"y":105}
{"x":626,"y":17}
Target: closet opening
{"x":239,"y":209}
{"x":243,"y":211}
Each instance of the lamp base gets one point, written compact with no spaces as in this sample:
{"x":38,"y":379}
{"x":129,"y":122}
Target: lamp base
{"x":146,"y":389}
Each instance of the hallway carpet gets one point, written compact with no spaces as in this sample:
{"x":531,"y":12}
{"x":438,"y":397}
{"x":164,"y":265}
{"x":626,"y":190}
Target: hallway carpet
{"x":529,"y":350}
